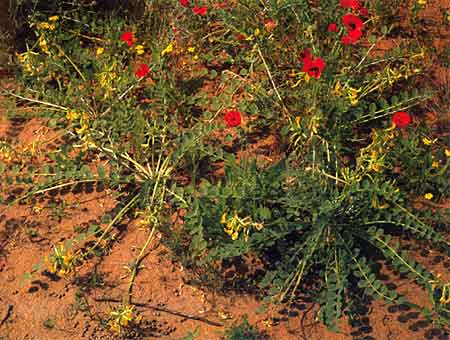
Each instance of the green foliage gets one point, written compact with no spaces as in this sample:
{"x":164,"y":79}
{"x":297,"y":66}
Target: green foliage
{"x":335,"y":195}
{"x":242,"y":331}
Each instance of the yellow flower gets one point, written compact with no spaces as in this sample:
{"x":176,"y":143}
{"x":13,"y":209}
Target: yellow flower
{"x":435,"y":164}
{"x":428,"y":196}
{"x":167,"y":50}
{"x":337,"y":89}
{"x":139,"y":49}
{"x":83,"y":128}
{"x":352,"y":94}
{"x":72,"y":115}
{"x":447,"y":152}
{"x":100,"y":51}
{"x":195,"y":57}
{"x":44,"y":25}
{"x":53,"y":18}
{"x":428,"y":141}
{"x":223,"y":219}
{"x":191,"y":49}
{"x":257,"y":32}
{"x":422,"y":2}
{"x":84,"y":116}
{"x":43,"y":44}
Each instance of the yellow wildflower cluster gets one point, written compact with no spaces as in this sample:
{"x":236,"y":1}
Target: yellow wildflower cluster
{"x":296,"y":78}
{"x":445,"y":296}
{"x":46,"y":26}
{"x":427,"y":141}
{"x":387,"y":77}
{"x":43,"y":44}
{"x":191,"y":50}
{"x":121,"y":318}
{"x":6,"y":152}
{"x":352,"y":94}
{"x":81,"y":118}
{"x":171,"y":48}
{"x":422,"y":2}
{"x":24,"y":59}
{"x":371,"y":158}
{"x":234,"y":225}
{"x":428,"y":196}
{"x":139,"y":49}
{"x":394,"y":74}
{"x":337,"y":90}
{"x":61,"y":261}
{"x":167,"y":50}
{"x":108,"y":78}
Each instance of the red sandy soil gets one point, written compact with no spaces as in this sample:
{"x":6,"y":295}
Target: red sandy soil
{"x":51,"y":307}
{"x":48,"y":307}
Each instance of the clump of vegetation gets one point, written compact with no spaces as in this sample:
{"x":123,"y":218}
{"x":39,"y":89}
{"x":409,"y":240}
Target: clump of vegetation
{"x":242,"y":331}
{"x":167,"y":100}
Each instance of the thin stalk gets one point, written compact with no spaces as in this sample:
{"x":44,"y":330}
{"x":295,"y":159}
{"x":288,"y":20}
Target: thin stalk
{"x":62,"y":108}
{"x":121,"y":213}
{"x":71,"y":62}
{"x":271,"y":79}
{"x":55,"y":187}
{"x":136,"y":266}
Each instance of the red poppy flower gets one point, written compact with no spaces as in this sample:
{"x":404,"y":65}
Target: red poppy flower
{"x":350,"y":4}
{"x":239,"y":36}
{"x":333,"y":27}
{"x":270,"y":25}
{"x":232,"y":118}
{"x":142,"y":70}
{"x":352,"y":22}
{"x":200,"y":10}
{"x":184,"y":3}
{"x":305,"y":55}
{"x":352,"y":37}
{"x":128,"y":37}
{"x":346,"y":40}
{"x":363,"y":12}
{"x":314,"y":67}
{"x":401,"y":119}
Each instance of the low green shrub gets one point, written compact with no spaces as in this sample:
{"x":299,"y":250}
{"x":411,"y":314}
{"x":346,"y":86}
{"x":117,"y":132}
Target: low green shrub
{"x":166,"y":100}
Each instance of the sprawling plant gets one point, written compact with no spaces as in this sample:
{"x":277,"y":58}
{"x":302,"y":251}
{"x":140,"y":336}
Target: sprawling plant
{"x":166,"y":103}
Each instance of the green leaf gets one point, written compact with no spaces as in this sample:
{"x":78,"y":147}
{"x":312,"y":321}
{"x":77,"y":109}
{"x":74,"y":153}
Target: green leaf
{"x":37,"y":266}
{"x":264,"y":213}
{"x":81,"y":237}
{"x":93,"y":229}
{"x":362,"y":283}
{"x":372,"y":108}
{"x":101,"y":172}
